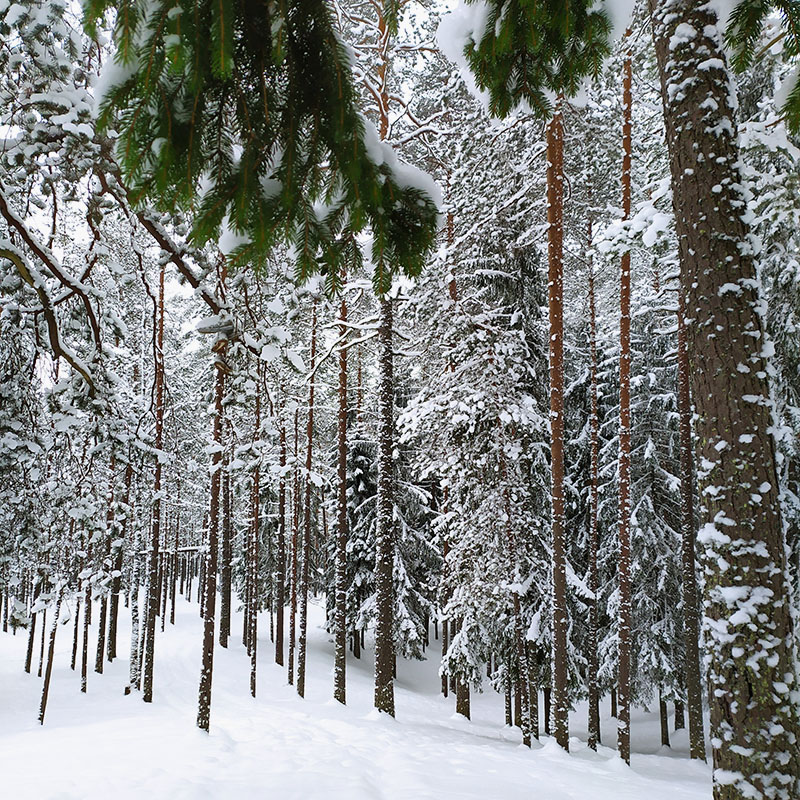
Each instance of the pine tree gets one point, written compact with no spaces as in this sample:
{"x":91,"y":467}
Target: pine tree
{"x":751,"y":671}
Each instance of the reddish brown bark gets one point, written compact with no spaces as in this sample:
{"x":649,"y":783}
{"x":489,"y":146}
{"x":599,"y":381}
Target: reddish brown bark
{"x":155,"y":528}
{"x":555,"y":206}
{"x":624,"y":563}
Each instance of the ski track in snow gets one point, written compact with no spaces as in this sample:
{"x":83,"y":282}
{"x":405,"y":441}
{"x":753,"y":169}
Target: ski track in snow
{"x":107,"y":745}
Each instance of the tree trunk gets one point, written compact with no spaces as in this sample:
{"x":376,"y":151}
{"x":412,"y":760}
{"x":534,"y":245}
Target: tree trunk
{"x":280,"y":569}
{"x":340,"y":611}
{"x":462,"y":697}
{"x":295,"y":536}
{"x":749,"y":628}
{"x":49,"y":669}
{"x":680,"y":722}
{"x":155,"y":532}
{"x":41,"y":648}
{"x":210,"y":604}
{"x":227,"y":557}
{"x":664,"y":719}
{"x":31,"y":634}
{"x":592,"y":665}
{"x":555,"y":206}
{"x":547,"y":709}
{"x":384,"y":537}
{"x":118,"y":549}
{"x":75,"y":628}
{"x":301,"y":654}
{"x":254,"y":551}
{"x":87,"y":618}
{"x":624,"y":559}
{"x":533,"y":695}
{"x":445,"y":648}
{"x":691,"y":606}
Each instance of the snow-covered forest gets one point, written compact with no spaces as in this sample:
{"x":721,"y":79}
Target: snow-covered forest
{"x":401,"y":398}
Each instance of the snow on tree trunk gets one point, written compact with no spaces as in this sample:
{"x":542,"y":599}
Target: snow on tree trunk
{"x":691,"y":608}
{"x":384,"y":544}
{"x":555,"y":206}
{"x":210,"y":605}
{"x":749,"y":641}
{"x":592,"y":665}
{"x":624,"y":562}
{"x":280,"y":567}
{"x":307,"y":521}
{"x":155,"y":530}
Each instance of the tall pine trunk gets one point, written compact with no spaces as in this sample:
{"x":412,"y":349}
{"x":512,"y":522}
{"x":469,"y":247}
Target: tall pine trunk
{"x":691,"y":608}
{"x":295,"y":537}
{"x":227,"y":558}
{"x":384,"y":545}
{"x":307,"y":527}
{"x":49,"y":668}
{"x":555,"y":231}
{"x":280,"y":567}
{"x":252,"y":566}
{"x":210,"y":593}
{"x":624,"y":559}
{"x":118,"y":550}
{"x":155,"y":527}
{"x":592,"y":665}
{"x":749,"y":637}
{"x":340,"y":565}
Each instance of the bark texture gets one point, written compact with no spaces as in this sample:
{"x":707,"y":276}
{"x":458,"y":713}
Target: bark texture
{"x":384,"y":545}
{"x":748,"y":625}
{"x":555,"y":232}
{"x":624,"y":559}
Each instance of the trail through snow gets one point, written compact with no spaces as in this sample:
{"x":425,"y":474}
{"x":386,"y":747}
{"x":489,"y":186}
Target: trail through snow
{"x":107,"y":745}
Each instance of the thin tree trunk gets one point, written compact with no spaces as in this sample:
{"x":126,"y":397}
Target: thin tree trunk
{"x":384,"y":537}
{"x":118,"y":549}
{"x":31,"y":634}
{"x":280,"y":590}
{"x":175,"y":560}
{"x":691,"y":605}
{"x":75,"y":628}
{"x":155,"y":535}
{"x":49,"y":669}
{"x":41,"y":648}
{"x":295,"y":537}
{"x":533,"y":696}
{"x":750,"y":641}
{"x":301,"y":655}
{"x":227,"y":557}
{"x":87,"y":618}
{"x":624,"y":559}
{"x":254,"y":551}
{"x":548,"y":711}
{"x":340,"y":611}
{"x":210,"y":604}
{"x":592,"y":665}
{"x":555,"y":205}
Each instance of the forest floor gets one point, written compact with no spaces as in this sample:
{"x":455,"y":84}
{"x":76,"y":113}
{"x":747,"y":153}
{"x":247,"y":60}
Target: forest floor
{"x":104,"y":744}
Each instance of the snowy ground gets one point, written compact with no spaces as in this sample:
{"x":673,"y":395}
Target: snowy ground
{"x":104,"y":744}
